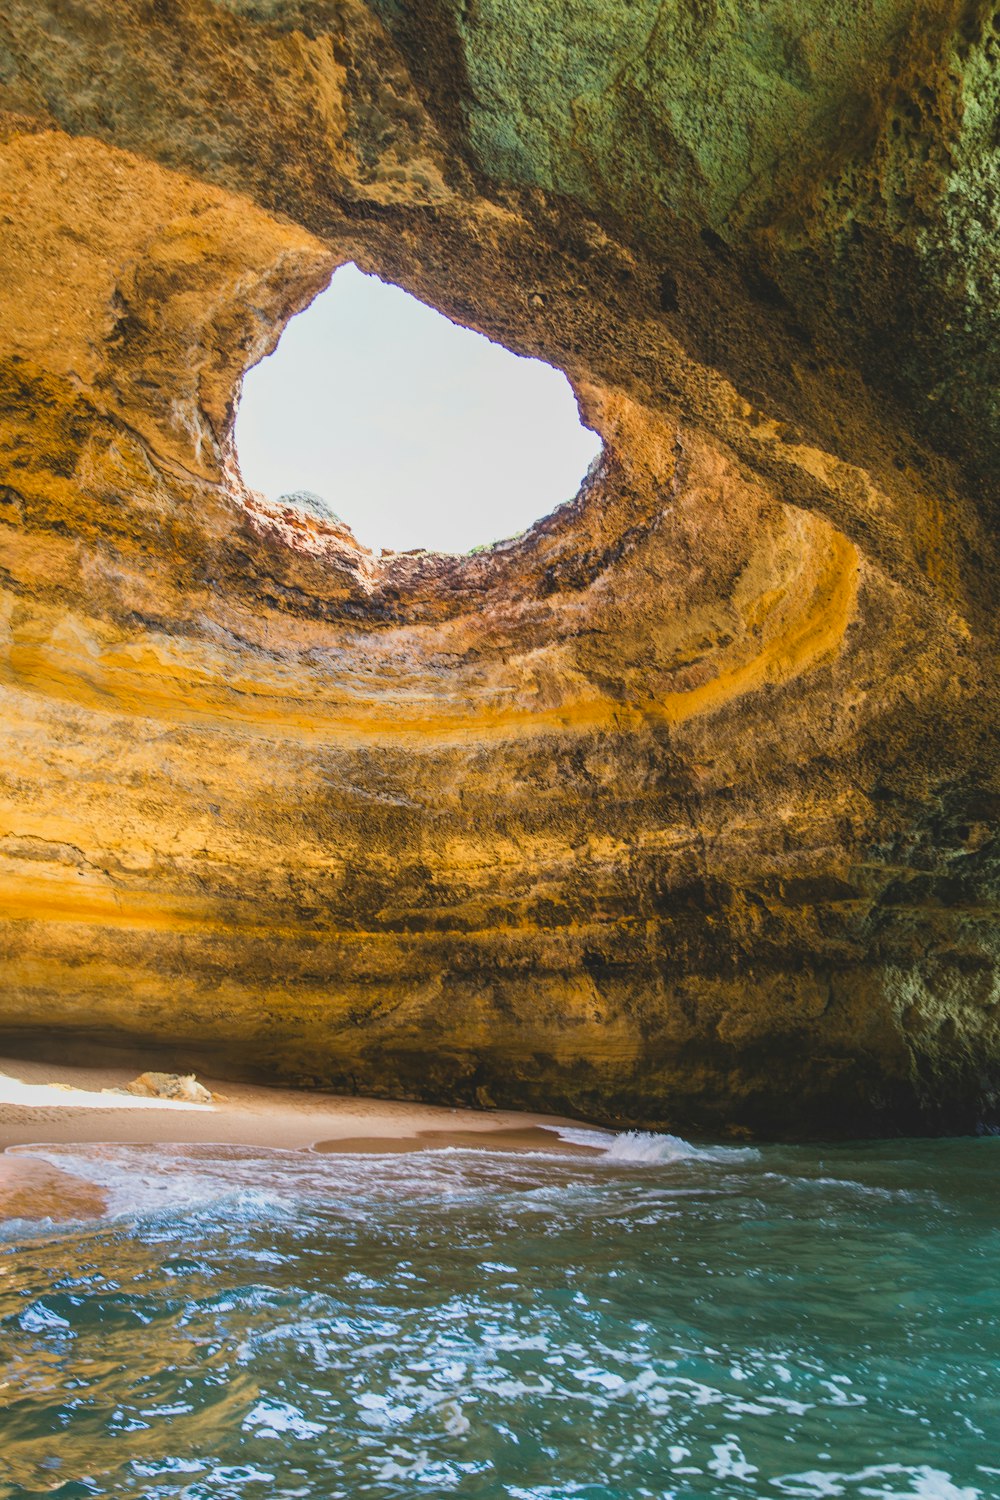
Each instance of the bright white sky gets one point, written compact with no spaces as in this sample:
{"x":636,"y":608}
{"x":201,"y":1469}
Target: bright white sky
{"x":418,"y":433}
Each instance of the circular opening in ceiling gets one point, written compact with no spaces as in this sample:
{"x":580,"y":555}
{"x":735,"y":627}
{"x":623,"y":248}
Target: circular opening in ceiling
{"x":377,"y":410}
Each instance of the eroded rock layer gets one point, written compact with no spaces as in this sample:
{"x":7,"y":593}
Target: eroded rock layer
{"x":679,"y":809}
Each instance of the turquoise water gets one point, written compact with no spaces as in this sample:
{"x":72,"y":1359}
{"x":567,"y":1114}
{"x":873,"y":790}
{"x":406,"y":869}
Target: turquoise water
{"x":661,"y":1320}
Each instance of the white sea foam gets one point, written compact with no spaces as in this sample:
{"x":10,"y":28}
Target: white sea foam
{"x":137,"y":1181}
{"x":647,"y":1147}
{"x":279,"y":1419}
{"x":880,"y":1481}
{"x":849,"y":1185}
{"x":249,"y":1184}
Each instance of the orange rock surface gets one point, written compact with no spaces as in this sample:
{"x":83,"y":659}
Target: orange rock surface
{"x":677,"y":810}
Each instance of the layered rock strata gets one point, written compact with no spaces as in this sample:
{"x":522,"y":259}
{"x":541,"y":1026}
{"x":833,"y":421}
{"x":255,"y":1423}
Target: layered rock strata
{"x":678,"y":810}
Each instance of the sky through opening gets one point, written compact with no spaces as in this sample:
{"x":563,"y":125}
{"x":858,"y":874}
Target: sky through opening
{"x":416,"y":432}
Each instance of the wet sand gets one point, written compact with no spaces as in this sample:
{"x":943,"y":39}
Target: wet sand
{"x":46,"y":1103}
{"x":499,"y":1138}
{"x":32,"y":1189}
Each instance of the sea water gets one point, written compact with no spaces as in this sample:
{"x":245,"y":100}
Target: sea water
{"x":658,"y":1319}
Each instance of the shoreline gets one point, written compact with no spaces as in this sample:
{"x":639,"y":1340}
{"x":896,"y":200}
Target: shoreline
{"x":53,"y":1104}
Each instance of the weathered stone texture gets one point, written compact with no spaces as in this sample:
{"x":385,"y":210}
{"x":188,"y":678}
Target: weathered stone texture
{"x":681,"y":808}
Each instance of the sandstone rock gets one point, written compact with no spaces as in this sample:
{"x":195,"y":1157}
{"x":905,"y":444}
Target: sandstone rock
{"x":170,"y":1086}
{"x":680,"y":809}
{"x":309,"y":503}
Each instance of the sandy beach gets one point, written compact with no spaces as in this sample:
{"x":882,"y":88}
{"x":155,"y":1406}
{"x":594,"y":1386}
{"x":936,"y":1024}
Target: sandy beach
{"x":47,"y":1103}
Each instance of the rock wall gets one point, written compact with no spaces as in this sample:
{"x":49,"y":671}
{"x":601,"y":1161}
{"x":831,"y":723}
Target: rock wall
{"x":678,"y":810}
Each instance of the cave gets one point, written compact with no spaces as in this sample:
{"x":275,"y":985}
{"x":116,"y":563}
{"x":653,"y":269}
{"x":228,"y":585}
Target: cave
{"x":676,"y":810}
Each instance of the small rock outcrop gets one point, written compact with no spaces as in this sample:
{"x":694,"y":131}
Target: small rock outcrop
{"x":680,"y":809}
{"x":182,"y":1086}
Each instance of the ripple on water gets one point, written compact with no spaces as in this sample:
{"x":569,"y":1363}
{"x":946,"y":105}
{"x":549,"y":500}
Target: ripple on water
{"x":661,"y":1320}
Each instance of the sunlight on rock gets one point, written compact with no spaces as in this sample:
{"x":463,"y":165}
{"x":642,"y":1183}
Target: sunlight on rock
{"x":62,"y":1096}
